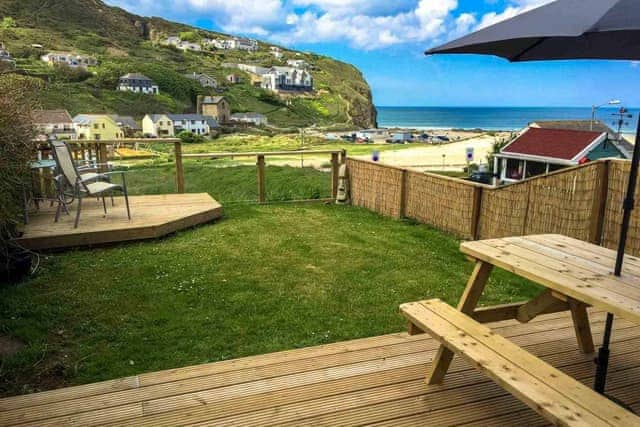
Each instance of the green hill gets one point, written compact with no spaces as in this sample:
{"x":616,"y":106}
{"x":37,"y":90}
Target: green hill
{"x":123,"y":42}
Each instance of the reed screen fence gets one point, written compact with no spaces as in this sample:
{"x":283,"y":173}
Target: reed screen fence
{"x":584,"y":202}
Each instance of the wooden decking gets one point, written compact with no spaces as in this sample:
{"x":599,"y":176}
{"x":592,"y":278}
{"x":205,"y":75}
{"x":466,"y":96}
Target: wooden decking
{"x":374,"y":381}
{"x":151,"y":217}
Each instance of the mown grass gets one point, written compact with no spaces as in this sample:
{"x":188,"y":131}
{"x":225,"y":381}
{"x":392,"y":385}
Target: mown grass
{"x":262,"y":279}
{"x":265,"y":278}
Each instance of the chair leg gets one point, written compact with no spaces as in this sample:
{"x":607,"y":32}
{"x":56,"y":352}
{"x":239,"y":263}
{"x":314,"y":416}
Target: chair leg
{"x":126,"y":200}
{"x":104,"y":205}
{"x":78,"y":213}
{"x":113,"y":203}
{"x":58,"y":211}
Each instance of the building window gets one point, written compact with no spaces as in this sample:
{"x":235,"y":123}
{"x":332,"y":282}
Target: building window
{"x":535,"y":169}
{"x":515,"y":169}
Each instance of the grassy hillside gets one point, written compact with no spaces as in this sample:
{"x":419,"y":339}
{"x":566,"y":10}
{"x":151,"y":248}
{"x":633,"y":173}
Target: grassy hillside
{"x":124,"y":42}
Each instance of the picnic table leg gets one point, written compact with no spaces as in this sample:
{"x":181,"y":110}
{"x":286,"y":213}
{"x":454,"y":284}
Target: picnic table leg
{"x":467,"y":304}
{"x":581,"y":325}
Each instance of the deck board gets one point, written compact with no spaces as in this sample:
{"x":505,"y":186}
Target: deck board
{"x":151,"y":217}
{"x":372,"y":381}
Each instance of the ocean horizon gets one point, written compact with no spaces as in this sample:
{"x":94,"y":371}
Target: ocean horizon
{"x":492,"y":118}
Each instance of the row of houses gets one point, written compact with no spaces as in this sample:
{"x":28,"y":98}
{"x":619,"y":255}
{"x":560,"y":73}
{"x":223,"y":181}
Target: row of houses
{"x":69,"y":59}
{"x":234,"y":43}
{"x":58,"y":124}
{"x":213,"y":111}
{"x":279,"y":79}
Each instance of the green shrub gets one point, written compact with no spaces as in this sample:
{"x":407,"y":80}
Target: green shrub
{"x":189,"y":36}
{"x":7,"y":22}
{"x":190,"y":138}
{"x":18,"y":99}
{"x":62,"y":73}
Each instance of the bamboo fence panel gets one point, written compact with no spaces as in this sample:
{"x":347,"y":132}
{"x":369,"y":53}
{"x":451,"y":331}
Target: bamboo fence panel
{"x":376,"y":187}
{"x":503,"y":211}
{"x":563,"y":203}
{"x":617,"y":187}
{"x":442,"y":202}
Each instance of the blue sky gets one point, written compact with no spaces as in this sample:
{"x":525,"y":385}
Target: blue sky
{"x":385,"y":39}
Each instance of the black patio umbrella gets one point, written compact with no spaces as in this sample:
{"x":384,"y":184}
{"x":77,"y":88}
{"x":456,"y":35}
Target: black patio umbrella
{"x":569,"y":29}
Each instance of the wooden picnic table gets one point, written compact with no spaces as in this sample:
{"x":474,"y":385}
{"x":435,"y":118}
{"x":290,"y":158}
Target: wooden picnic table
{"x":575,"y":275}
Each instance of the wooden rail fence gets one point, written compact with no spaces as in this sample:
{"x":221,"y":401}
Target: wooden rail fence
{"x":584,"y":202}
{"x":337,"y":157}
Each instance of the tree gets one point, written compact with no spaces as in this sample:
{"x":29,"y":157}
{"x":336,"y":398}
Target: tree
{"x":7,"y":22}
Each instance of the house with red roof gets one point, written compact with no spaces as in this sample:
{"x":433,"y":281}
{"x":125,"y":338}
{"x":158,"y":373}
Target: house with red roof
{"x":538,"y":151}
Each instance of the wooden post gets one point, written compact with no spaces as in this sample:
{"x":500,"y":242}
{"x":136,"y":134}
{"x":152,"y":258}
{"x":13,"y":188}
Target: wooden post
{"x":103,"y":158}
{"x":476,"y":212}
{"x":335,"y":172}
{"x":343,"y":156}
{"x":598,"y":209}
{"x":177,"y":147}
{"x":261,"y":191}
{"x":404,"y":190}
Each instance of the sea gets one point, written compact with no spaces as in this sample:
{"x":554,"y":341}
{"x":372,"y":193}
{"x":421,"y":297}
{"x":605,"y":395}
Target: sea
{"x":493,"y":118}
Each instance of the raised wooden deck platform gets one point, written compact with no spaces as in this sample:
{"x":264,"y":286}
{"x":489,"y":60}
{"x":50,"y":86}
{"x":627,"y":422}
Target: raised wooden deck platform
{"x":374,"y":381}
{"x":151,"y":217}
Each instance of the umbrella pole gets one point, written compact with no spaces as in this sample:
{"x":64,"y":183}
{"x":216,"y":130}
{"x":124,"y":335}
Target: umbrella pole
{"x":602,"y":360}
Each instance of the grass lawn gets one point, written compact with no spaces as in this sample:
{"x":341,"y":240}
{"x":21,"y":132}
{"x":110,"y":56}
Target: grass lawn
{"x":262,"y":279}
{"x":231,"y":184}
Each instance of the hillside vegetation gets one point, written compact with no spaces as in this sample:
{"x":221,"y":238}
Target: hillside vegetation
{"x":124,"y":42}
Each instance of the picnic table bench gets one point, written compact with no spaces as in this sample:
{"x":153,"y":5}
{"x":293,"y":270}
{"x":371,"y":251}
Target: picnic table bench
{"x":547,"y":390}
{"x":575,"y":275}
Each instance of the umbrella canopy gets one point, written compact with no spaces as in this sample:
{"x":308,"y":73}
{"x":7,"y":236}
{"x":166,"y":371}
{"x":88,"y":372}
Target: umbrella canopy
{"x":565,"y":29}
{"x":570,"y":29}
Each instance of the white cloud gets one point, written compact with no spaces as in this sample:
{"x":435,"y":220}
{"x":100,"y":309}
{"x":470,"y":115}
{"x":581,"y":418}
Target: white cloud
{"x":363,"y":24}
{"x":517,"y":7}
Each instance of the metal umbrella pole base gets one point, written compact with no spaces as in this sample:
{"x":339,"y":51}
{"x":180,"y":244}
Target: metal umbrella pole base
{"x":602,"y":360}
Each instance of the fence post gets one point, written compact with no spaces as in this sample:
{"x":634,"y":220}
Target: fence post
{"x":476,"y":212}
{"x":261,"y":192}
{"x":403,"y":193}
{"x":335,"y":171}
{"x":103,"y":158}
{"x":343,"y":156}
{"x":598,"y":209}
{"x":177,"y":147}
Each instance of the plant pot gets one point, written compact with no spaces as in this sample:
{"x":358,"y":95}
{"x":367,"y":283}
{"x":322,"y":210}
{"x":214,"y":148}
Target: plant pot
{"x":16,"y":267}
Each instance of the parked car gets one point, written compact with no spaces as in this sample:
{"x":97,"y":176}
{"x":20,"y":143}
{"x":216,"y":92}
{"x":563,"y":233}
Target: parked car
{"x":481,"y":177}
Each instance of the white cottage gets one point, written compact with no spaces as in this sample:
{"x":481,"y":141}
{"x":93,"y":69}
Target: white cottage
{"x":138,"y":83}
{"x":169,"y":125}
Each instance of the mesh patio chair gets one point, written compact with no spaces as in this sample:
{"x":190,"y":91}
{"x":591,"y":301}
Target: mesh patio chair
{"x":83,"y":185}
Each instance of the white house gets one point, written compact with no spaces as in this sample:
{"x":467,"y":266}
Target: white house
{"x":172,"y":41}
{"x":235,"y":43}
{"x":169,"y":125}
{"x":297,"y":63}
{"x":276,"y":52}
{"x":70,"y":59}
{"x":193,"y":47}
{"x":204,"y":79}
{"x":253,"y":69}
{"x":139,"y":83}
{"x":256,"y":119}
{"x":287,"y":79}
